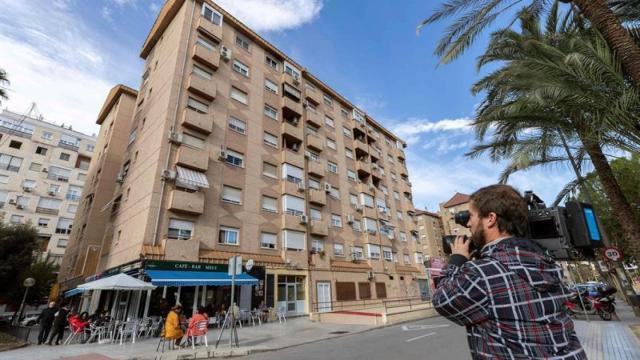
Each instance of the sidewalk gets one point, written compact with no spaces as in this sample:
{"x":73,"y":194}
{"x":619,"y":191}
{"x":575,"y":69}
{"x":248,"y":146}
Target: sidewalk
{"x":271,"y":336}
{"x":603,"y":340}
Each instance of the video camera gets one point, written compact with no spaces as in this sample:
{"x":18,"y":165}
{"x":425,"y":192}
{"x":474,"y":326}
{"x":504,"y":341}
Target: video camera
{"x":567,"y":233}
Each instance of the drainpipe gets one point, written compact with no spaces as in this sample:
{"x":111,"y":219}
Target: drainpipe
{"x":173,"y":126}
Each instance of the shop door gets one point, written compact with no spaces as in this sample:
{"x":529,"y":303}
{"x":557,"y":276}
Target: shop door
{"x":425,"y":294}
{"x":291,"y":298}
{"x":323,"y":292}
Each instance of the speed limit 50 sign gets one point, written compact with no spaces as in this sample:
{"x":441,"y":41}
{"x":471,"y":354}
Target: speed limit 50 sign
{"x":613,"y":254}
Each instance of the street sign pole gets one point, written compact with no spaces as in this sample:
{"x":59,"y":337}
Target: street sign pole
{"x":232,"y":306}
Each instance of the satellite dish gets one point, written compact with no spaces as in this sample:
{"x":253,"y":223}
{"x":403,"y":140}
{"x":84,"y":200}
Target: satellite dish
{"x":29,"y":282}
{"x":249,"y":264}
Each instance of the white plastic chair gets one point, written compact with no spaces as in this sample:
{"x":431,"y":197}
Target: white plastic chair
{"x":202,"y":328}
{"x":282,"y":315}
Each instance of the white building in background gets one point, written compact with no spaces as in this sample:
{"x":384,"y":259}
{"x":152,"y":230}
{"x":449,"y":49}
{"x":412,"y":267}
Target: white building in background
{"x":43,"y":168}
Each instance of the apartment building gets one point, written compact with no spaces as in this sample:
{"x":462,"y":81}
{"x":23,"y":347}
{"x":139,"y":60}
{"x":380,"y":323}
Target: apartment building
{"x":430,"y":232}
{"x":43,"y":168}
{"x":448,"y":209}
{"x":233,"y":148}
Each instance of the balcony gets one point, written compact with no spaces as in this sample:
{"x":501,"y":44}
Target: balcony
{"x":206,"y":56}
{"x":193,"y":158}
{"x":361,"y":148}
{"x":291,"y":106}
{"x":316,"y":168}
{"x":288,"y":78}
{"x":293,"y":158}
{"x":364,"y":169}
{"x":315,"y":142}
{"x":292,"y":130}
{"x":319,"y":227}
{"x":69,"y":145}
{"x":201,"y":86}
{"x":197,"y":121}
{"x":313,"y":118}
{"x":318,"y":197}
{"x":292,"y":222}
{"x":47,"y":211}
{"x":187,"y":202}
{"x":314,"y":96}
{"x":210,"y":28}
{"x":16,"y":130}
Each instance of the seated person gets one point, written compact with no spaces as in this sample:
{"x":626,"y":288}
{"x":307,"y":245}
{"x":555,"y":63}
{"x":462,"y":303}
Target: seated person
{"x":193,"y":330}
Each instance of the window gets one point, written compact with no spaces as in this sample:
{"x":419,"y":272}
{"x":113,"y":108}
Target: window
{"x":331,"y":144}
{"x":49,"y":204}
{"x":332,"y":167}
{"x":35,"y":167}
{"x":22,"y":201}
{"x":270,"y":112}
{"x":399,"y":215}
{"x":231,"y":195}
{"x":41,"y":150}
{"x":366,"y":200}
{"x":83,"y":163}
{"x":310,"y":107}
{"x":351,"y":175}
{"x":64,"y":226}
{"x":329,"y":122}
{"x":344,"y":113}
{"x":240,"y":68}
{"x":234,"y":158}
{"x":293,"y":240}
{"x":73,"y":193}
{"x":15,"y":144}
{"x":292,"y":173}
{"x":407,"y":259}
{"x":82,"y":177}
{"x":269,"y":204}
{"x":72,"y":208}
{"x":197,"y":105}
{"x":370,"y":225}
{"x":313,"y":156}
{"x":349,"y":153}
{"x":396,"y":195}
{"x":16,"y":219}
{"x":239,"y":95}
{"x":202,"y":72}
{"x":268,"y":240}
{"x":47,"y":135}
{"x":291,"y":92}
{"x":419,"y":258}
{"x":338,"y":249}
{"x":242,"y":42}
{"x":193,"y":141}
{"x":269,"y":170}
{"x":357,"y":252}
{"x":373,"y":251}
{"x":289,"y":69}
{"x":270,"y":139}
{"x":315,"y":214}
{"x":29,"y":184}
{"x":390,"y":158}
{"x":62,"y":243}
{"x":356,"y":225}
{"x":403,"y":236}
{"x":327,"y":100}
{"x":384,"y":189}
{"x":317,"y":245}
{"x":336,"y":220}
{"x":228,"y":235}
{"x":293,"y":205}
{"x":353,"y":199}
{"x":387,"y":253}
{"x":271,"y":62}
{"x":334,"y":193}
{"x":43,"y":222}
{"x":270,"y":86}
{"x":237,"y":125}
{"x":10,"y":163}
{"x":180,"y":229}
{"x":205,"y":43}
{"x":210,"y":14}
{"x":65,"y":156}
{"x":346,"y":132}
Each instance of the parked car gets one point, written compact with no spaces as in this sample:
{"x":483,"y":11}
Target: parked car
{"x":29,"y":320}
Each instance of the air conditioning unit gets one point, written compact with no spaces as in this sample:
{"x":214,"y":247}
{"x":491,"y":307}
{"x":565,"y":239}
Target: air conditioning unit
{"x":175,"y":138}
{"x":327,"y":187}
{"x":359,"y":208}
{"x":301,"y":186}
{"x":20,"y":206}
{"x":223,"y":155}
{"x":354,"y":256}
{"x":371,"y":232}
{"x":27,"y":188}
{"x":307,"y":155}
{"x":303,"y":219}
{"x":226,"y":53}
{"x":45,"y":170}
{"x":294,"y":146}
{"x":52,"y":192}
{"x":168,"y":174}
{"x":306,"y":104}
{"x":296,"y":78}
{"x":349,"y":219}
{"x":12,"y":201}
{"x":294,"y":122}
{"x":120,"y":178}
{"x":371,"y":275}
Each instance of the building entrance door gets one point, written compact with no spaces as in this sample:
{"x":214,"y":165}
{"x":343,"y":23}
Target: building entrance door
{"x":323,"y":292}
{"x":291,"y":294}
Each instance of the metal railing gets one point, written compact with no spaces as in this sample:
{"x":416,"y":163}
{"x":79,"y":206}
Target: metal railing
{"x":364,"y":304}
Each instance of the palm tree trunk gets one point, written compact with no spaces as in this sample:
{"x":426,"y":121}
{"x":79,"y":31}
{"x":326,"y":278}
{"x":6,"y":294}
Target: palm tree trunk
{"x":616,"y":35}
{"x":618,"y":201}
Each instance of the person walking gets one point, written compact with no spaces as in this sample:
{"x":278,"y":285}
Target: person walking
{"x":45,"y":319}
{"x":59,"y":323}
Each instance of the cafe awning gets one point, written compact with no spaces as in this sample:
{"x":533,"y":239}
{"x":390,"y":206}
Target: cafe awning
{"x":192,"y":177}
{"x":196,"y":278}
{"x":72,"y":292}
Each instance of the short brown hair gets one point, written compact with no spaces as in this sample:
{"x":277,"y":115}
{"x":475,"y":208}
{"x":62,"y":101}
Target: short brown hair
{"x":508,"y":205}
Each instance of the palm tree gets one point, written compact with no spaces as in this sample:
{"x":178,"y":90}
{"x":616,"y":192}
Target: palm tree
{"x":3,"y":81}
{"x":560,"y":95}
{"x":480,"y":14}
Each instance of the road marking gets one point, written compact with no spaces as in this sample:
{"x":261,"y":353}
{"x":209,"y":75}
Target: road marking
{"x":420,"y":337}
{"x":423,"y":327}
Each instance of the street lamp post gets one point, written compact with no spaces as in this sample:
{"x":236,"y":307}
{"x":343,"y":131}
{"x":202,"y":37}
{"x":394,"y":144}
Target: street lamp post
{"x":27,"y":283}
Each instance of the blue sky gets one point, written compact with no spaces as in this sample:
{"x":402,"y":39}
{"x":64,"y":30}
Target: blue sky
{"x":66,"y":54}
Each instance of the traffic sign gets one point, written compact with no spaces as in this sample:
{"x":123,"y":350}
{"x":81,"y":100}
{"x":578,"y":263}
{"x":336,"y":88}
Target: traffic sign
{"x":235,"y":262}
{"x":249,"y":264}
{"x":613,"y":254}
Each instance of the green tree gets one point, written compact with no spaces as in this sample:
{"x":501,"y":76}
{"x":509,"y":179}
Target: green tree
{"x":559,"y":95}
{"x":4,"y":80}
{"x":19,"y":247}
{"x":474,"y":16}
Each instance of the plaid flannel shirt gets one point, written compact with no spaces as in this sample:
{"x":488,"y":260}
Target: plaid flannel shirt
{"x":511,"y":301}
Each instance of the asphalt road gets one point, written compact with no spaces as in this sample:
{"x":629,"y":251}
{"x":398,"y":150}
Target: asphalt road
{"x":434,"y":338}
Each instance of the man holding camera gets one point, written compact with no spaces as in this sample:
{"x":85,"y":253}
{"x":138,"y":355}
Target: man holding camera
{"x":511,"y":297}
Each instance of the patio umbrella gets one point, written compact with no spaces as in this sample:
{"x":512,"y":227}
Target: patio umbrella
{"x":117,"y":282}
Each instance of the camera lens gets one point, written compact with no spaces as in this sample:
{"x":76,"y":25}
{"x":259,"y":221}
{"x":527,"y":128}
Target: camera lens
{"x":462,"y":217}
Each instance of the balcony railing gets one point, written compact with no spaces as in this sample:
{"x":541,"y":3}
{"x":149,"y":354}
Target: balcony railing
{"x":73,"y":197}
{"x":15,"y":131}
{"x":69,"y":145}
{"x":42,"y":210}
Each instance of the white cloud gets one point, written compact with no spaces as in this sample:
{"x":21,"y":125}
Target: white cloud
{"x":414,"y":127}
{"x":273,"y":15}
